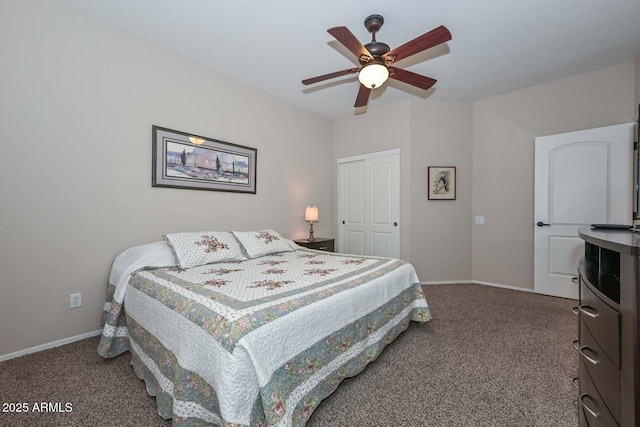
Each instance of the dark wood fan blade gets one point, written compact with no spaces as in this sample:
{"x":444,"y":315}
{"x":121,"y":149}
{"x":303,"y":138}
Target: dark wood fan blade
{"x":330,"y":76}
{"x":346,"y":37}
{"x":363,"y":96}
{"x":432,"y":38}
{"x":411,"y":78}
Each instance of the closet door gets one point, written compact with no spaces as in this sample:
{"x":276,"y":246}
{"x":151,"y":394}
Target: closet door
{"x":369,"y":188}
{"x":352,"y":206}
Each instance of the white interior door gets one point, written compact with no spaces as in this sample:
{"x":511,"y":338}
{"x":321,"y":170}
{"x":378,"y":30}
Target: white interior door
{"x":382,"y":215}
{"x":581,"y":178}
{"x":352,"y":183}
{"x":370,"y":205}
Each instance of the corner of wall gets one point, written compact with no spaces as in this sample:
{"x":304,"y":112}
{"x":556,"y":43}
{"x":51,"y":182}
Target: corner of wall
{"x":637,"y":85}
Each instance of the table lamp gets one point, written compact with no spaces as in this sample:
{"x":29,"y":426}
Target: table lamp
{"x":311,"y":215}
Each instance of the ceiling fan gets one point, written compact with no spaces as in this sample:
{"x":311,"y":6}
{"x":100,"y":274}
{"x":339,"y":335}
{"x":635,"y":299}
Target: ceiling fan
{"x":376,"y":58}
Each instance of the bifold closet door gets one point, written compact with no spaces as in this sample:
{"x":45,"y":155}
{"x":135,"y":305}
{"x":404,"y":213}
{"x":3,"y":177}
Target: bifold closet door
{"x":369,"y":205}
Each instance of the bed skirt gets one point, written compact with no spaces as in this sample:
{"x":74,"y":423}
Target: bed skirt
{"x":296,"y":389}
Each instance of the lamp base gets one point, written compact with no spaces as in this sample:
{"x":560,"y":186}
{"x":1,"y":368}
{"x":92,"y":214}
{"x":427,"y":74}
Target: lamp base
{"x":311,"y":238}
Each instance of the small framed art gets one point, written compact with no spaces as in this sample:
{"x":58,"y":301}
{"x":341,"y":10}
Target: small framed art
{"x":184,"y":160}
{"x":441,"y":181}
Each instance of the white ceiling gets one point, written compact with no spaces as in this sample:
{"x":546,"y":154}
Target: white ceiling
{"x":497,"y":45}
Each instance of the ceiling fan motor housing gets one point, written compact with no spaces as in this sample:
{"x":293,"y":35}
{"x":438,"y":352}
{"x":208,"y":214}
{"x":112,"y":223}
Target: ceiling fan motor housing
{"x":373,"y":23}
{"x":377,"y":49}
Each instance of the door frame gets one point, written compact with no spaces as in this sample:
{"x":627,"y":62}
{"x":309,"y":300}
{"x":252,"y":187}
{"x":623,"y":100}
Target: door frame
{"x":384,"y":153}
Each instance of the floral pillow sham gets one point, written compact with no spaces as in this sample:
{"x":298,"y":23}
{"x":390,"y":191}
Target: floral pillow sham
{"x":262,"y":242}
{"x":204,"y":247}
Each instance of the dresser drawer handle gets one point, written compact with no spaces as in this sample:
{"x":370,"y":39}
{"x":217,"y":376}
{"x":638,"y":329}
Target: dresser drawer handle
{"x":576,"y":383}
{"x":584,"y":405}
{"x":586,"y":356}
{"x":589,"y":311}
{"x":574,"y":310}
{"x":575,"y":345}
{"x":322,"y":247}
{"x":574,"y":279}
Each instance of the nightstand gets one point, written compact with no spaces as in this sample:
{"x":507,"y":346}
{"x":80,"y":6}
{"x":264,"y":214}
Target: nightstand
{"x":321,"y":244}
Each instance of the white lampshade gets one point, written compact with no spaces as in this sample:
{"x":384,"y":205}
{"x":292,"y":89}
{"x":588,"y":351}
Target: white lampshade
{"x":311,"y":213}
{"x":373,"y":75}
{"x":195,"y":140}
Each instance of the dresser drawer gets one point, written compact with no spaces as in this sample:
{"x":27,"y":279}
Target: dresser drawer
{"x":602,"y":373}
{"x":591,"y":408}
{"x":321,"y":246}
{"x":602,"y":321}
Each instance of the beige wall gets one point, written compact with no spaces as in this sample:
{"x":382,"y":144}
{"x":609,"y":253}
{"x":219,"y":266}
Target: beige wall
{"x":435,"y":235}
{"x":441,"y":135}
{"x":504,"y":128}
{"x":78,"y":102}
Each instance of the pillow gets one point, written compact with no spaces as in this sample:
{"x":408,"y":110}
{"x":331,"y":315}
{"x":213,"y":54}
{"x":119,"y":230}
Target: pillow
{"x":263,"y":242}
{"x":204,"y":247}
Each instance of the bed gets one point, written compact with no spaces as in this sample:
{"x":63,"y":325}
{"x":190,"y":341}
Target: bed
{"x":250,"y":329}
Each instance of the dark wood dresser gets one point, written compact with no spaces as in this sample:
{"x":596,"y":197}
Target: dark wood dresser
{"x":609,"y":369}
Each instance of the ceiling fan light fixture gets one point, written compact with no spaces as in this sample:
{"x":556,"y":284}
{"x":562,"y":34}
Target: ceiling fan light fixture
{"x":373,"y":75}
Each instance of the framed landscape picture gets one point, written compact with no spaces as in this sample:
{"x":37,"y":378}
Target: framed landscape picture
{"x":441,"y":181}
{"x":184,"y":160}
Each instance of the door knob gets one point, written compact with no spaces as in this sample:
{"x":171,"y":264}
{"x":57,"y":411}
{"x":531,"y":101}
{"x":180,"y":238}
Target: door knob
{"x":395,"y":224}
{"x":343,"y":222}
{"x":541,"y":224}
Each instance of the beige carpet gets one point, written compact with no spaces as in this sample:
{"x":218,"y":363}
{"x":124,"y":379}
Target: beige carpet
{"x":490,"y":357}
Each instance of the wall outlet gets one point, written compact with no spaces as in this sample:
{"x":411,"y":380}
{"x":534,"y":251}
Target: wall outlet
{"x":75,"y":300}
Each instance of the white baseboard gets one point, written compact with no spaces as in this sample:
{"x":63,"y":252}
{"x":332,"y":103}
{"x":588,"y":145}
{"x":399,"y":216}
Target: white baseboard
{"x":446,"y":282}
{"x":50,"y":345}
{"x":476,"y":282}
{"x":497,"y":285}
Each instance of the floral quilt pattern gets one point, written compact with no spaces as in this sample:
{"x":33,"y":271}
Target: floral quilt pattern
{"x":231,"y":294}
{"x":229,"y":300}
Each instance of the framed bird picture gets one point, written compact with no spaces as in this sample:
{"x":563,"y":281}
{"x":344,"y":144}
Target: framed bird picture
{"x":441,"y":181}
